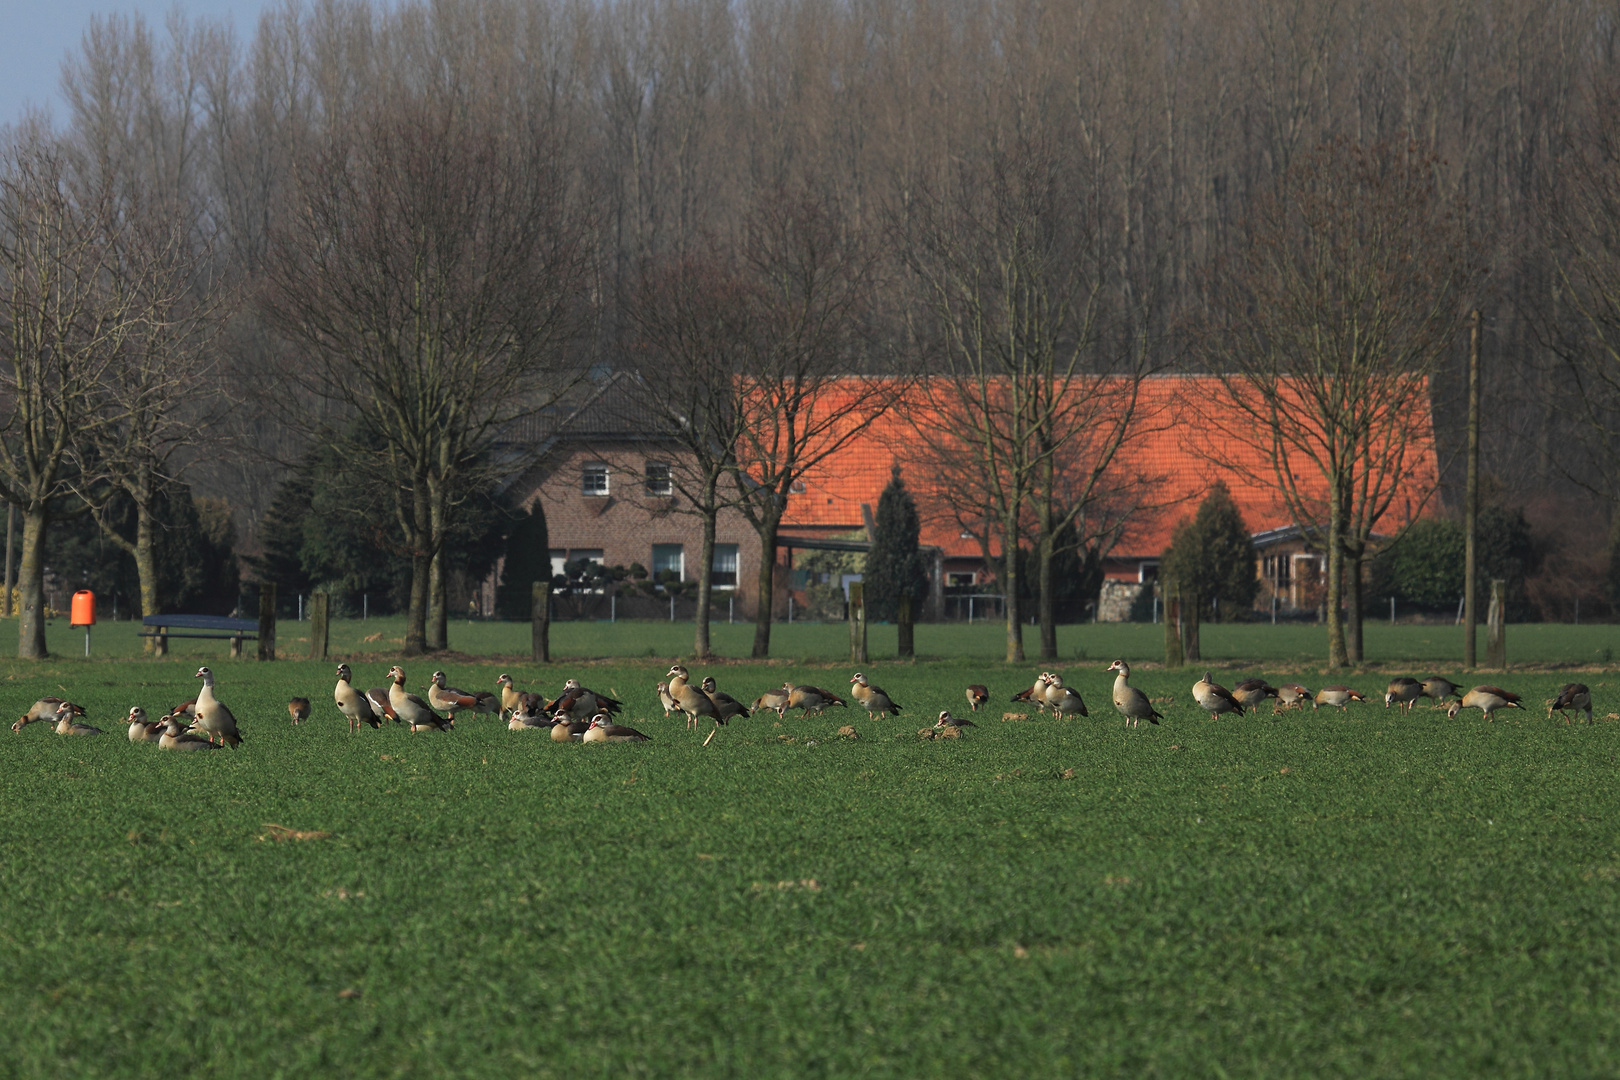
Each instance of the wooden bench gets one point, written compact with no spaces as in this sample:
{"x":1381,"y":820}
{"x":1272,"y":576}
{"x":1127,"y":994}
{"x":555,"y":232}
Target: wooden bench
{"x":222,"y":627}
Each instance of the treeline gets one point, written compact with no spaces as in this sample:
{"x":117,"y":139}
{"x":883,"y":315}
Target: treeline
{"x":409,"y":226}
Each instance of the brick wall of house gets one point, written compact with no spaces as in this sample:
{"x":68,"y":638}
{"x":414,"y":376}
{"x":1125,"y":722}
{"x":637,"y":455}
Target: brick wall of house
{"x":625,"y":523}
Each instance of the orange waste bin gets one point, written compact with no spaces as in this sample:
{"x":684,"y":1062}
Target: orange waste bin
{"x":84,"y":608}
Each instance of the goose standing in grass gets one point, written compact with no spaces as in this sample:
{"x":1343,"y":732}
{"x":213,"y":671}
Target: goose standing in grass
{"x":449,"y":700}
{"x":689,"y":699}
{"x":1250,"y":693}
{"x":513,"y":699}
{"x":412,"y":710}
{"x":1487,"y":699}
{"x":671,"y":706}
{"x":603,"y":729}
{"x":1438,"y":689}
{"x":813,"y":699}
{"x":298,"y":709}
{"x":212,"y":715}
{"x":356,"y":707}
{"x":1214,"y":698}
{"x":977,"y":696}
{"x":66,"y":725}
{"x":1292,"y":696}
{"x":176,"y":736}
{"x":378,"y":697}
{"x":1132,"y":704}
{"x":1035,"y":695}
{"x":1064,"y":700}
{"x":140,"y":730}
{"x":1572,"y":695}
{"x":44,"y":711}
{"x":1339,"y":697}
{"x":872,"y":698}
{"x":725,"y":706}
{"x":775,"y":700}
{"x":1403,"y":691}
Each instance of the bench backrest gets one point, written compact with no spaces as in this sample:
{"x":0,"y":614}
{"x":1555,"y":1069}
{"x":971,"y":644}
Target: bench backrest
{"x":201,"y":622}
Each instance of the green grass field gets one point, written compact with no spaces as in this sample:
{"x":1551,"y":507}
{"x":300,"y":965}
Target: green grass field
{"x":1357,"y":894}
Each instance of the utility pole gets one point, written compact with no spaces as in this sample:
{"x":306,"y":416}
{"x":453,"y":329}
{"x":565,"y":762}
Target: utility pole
{"x":1471,"y":499}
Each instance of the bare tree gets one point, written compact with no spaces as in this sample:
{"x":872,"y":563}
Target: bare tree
{"x":802,"y":395}
{"x":66,"y":315}
{"x":431,"y":266}
{"x":695,"y":321}
{"x":1327,"y":328}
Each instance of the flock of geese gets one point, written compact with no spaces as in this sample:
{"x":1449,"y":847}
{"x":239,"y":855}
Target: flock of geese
{"x":579,"y":714}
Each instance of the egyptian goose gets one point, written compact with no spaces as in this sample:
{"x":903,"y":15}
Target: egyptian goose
{"x":378,"y":697}
{"x":66,"y":725}
{"x":671,"y":706}
{"x":1487,"y":699}
{"x":1251,"y":693}
{"x":693,"y":702}
{"x":1572,"y":696}
{"x":872,"y":698}
{"x":1403,"y":691}
{"x":725,"y":706}
{"x":186,"y":710}
{"x":140,"y":730}
{"x":212,"y":715}
{"x":813,"y":699}
{"x":1035,"y":695}
{"x":603,"y":729}
{"x":1339,"y":696}
{"x":1437,"y":690}
{"x":945,"y":719}
{"x":356,"y":707}
{"x":1064,"y":700}
{"x":298,"y":709}
{"x":775,"y":700}
{"x":569,"y":730}
{"x":1292,"y":696}
{"x":412,"y":711}
{"x":514,"y":700}
{"x":524,"y":720}
{"x":1132,"y":704}
{"x":447,"y":699}
{"x":1215,"y":698}
{"x":176,"y":736}
{"x":976,"y":696}
{"x":43,"y":710}
{"x":582,"y":703}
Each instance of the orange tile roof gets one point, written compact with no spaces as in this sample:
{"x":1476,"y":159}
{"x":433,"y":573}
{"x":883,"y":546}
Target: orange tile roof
{"x":1172,"y":460}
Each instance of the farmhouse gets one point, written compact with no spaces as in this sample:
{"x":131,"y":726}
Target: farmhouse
{"x":607,"y":479}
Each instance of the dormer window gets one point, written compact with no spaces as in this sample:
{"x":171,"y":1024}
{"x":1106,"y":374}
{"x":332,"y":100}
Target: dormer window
{"x":659,"y":480}
{"x":595,"y":480}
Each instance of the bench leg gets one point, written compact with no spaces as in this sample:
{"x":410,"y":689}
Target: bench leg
{"x":162,"y":647}
{"x":236,"y":648}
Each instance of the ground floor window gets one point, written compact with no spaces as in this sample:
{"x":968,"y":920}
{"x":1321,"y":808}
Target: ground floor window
{"x":723,"y":571}
{"x":962,"y":580}
{"x":670,"y":557}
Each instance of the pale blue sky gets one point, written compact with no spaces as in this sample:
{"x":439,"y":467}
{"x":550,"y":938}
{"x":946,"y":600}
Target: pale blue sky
{"x":36,"y":34}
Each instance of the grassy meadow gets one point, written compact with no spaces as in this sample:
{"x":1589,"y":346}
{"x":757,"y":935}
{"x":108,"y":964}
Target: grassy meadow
{"x":1366,"y":893}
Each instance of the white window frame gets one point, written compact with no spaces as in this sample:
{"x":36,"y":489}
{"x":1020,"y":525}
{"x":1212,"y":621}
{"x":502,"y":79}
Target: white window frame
{"x":661,"y":483}
{"x":593,"y":470}
{"x":735,"y":551}
{"x":679,"y":567}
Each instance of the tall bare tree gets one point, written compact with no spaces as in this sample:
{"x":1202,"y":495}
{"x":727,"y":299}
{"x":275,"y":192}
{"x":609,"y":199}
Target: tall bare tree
{"x":1327,"y":327}
{"x":431,"y":266}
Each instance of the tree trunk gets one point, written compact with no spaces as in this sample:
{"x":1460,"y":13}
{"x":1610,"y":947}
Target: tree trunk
{"x":1352,"y":606}
{"x":906,"y":628}
{"x":705,"y":596}
{"x":1338,"y":656}
{"x":146,"y":566}
{"x":1044,"y":604}
{"x":416,"y":613}
{"x":767,"y":587}
{"x":1170,"y":602}
{"x":1009,"y":589}
{"x":438,"y":622}
{"x":31,"y":585}
{"x":1191,"y":613}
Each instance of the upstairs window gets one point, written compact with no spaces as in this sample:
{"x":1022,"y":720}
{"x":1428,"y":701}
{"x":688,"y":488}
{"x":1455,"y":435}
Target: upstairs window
{"x":659,"y":480}
{"x":595,"y":481}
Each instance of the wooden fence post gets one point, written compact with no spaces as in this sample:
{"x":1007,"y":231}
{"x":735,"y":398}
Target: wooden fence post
{"x":857,"y":623}
{"x":1496,"y":627}
{"x":267,"y":620}
{"x":540,"y":622}
{"x":320,"y":636}
{"x":906,"y":628}
{"x":1172,"y":623}
{"x":1191,"y":612}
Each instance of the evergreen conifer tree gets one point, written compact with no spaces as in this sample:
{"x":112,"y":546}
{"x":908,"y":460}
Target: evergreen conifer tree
{"x":1213,"y":555}
{"x":895,"y":567}
{"x":528,"y":559}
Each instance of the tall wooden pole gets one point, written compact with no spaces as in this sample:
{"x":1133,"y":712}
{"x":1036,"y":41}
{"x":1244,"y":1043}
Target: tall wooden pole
{"x":540,"y":622}
{"x":11,"y":532}
{"x":1471,"y":499}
